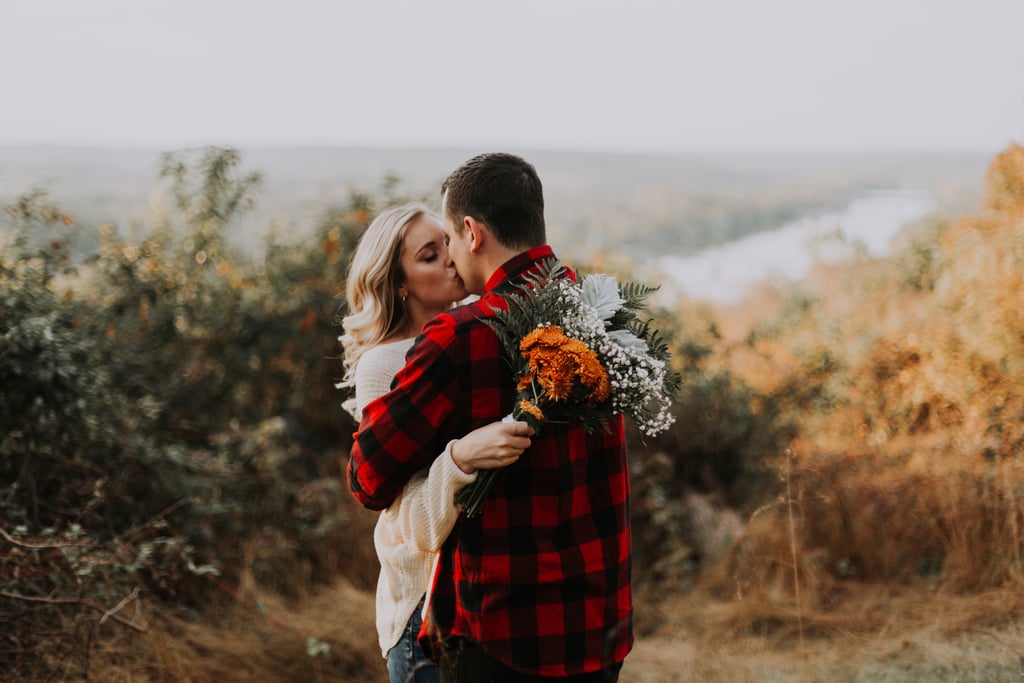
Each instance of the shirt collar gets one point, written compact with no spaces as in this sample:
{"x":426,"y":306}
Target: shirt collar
{"x":518,"y":264}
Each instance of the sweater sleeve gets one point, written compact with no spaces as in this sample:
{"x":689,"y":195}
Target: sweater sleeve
{"x":402,"y":431}
{"x":426,"y":511}
{"x":374,"y":374}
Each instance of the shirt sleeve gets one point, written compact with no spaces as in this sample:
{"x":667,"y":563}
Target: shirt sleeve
{"x":404,"y":430}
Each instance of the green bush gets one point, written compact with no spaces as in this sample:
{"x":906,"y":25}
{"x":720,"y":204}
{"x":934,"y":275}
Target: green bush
{"x":166,"y":405}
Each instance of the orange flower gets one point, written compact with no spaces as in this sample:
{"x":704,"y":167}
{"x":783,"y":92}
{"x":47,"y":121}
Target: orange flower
{"x":563,"y":366}
{"x":552,"y":335}
{"x":556,"y":378}
{"x":531,"y":409}
{"x":593,"y":375}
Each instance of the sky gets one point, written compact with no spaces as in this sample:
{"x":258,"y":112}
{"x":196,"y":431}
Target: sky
{"x":631,"y":75}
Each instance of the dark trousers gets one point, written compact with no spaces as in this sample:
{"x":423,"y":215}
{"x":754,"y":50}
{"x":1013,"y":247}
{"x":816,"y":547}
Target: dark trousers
{"x":464,"y":661}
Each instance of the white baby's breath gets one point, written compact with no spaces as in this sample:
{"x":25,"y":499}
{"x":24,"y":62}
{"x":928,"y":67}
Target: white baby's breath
{"x":637,"y":378}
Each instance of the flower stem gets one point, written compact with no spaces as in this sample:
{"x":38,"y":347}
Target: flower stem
{"x":473,"y":496}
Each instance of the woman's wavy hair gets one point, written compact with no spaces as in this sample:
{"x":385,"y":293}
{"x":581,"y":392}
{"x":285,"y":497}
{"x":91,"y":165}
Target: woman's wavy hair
{"x":371,"y":291}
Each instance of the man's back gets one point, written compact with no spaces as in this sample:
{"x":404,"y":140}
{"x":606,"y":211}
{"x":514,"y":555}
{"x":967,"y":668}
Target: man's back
{"x":542,"y":577}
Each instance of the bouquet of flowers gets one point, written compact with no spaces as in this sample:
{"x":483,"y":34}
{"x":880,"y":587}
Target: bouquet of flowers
{"x":580,"y":350}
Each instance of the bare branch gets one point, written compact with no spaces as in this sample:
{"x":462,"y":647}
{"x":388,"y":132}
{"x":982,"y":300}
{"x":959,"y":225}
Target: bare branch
{"x":43,"y":546}
{"x":112,"y":612}
{"x":85,"y":603}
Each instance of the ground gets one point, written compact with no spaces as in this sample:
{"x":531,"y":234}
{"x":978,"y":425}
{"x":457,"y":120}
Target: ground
{"x":870,"y":633}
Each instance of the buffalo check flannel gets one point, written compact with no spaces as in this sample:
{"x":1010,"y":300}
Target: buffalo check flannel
{"x":541,"y":579}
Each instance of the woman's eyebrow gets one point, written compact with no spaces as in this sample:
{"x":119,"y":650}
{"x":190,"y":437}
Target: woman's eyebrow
{"x":432,"y":244}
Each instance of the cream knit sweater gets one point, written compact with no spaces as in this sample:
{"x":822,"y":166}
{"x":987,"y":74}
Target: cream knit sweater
{"x":411,"y":531}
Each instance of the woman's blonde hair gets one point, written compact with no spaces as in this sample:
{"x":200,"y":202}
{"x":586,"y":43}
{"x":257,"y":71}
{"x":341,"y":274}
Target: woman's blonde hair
{"x":374,"y":307}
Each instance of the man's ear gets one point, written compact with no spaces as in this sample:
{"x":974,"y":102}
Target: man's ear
{"x":477,"y":233}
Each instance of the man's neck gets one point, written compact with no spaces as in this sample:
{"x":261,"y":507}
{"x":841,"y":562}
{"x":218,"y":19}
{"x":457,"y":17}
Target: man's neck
{"x":498,"y":272}
{"x":498,"y":259}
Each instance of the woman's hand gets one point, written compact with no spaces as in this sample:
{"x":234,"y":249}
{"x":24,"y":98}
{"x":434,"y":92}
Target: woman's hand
{"x":498,"y":444}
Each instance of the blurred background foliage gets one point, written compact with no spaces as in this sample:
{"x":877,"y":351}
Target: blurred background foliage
{"x":169,"y":426}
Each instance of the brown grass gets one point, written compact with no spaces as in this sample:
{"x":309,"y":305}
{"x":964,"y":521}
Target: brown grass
{"x":863,"y":632}
{"x":868,"y":632}
{"x":258,"y":636}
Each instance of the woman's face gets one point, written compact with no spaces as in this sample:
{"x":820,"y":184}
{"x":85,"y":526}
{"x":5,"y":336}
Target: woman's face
{"x":430,"y":282}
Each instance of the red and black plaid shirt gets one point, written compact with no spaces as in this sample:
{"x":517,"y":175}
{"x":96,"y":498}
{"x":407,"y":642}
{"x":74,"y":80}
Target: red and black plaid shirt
{"x":542,"y":577}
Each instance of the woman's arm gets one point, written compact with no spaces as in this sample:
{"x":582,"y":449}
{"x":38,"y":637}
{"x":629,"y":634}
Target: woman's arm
{"x":426,"y":511}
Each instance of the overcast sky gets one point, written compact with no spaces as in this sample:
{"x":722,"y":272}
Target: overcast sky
{"x":638,"y":75}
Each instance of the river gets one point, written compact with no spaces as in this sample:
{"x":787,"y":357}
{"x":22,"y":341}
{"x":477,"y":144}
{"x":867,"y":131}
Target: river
{"x":725,"y":273}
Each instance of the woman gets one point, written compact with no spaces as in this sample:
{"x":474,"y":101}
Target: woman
{"x":400,"y":278}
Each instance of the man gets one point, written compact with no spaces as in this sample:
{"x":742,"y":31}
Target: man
{"x":537,"y":587}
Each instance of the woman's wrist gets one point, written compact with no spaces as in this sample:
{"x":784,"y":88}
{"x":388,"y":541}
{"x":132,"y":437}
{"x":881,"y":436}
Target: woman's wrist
{"x":464,"y":468}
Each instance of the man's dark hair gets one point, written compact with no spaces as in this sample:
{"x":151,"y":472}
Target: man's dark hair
{"x":504,"y":192}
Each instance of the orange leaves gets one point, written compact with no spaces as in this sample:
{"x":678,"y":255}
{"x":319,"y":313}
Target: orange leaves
{"x":332,"y":244}
{"x":1005,"y":183}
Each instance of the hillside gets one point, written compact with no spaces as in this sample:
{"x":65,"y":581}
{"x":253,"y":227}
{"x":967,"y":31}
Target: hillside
{"x":841,"y":496}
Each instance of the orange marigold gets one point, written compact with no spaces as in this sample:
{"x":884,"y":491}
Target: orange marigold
{"x":557,"y":378}
{"x":594,"y":376}
{"x":551,"y":335}
{"x":562,"y":365}
{"x":531,"y":409}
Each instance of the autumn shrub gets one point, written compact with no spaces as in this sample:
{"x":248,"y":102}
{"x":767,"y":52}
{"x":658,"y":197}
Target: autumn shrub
{"x":920,"y":514}
{"x":715,"y":459}
{"x":904,"y":376}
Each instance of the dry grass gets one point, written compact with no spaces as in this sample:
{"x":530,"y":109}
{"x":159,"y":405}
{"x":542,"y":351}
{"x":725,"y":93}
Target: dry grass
{"x":866,"y":632}
{"x":256,"y":636}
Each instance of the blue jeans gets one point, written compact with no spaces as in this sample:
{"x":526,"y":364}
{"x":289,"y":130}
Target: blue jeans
{"x":406,"y":661}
